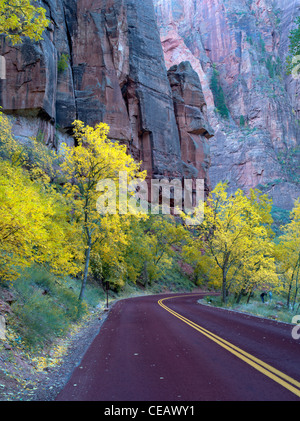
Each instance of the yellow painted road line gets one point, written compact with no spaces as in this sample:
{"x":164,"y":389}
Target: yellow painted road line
{"x":286,"y":381}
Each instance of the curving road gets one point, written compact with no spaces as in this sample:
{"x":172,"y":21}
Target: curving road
{"x":170,"y":348}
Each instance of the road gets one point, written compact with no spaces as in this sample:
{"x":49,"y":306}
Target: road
{"x":171,"y":348}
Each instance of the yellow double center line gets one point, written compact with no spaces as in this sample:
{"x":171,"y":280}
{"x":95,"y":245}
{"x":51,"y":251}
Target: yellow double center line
{"x":286,"y":381}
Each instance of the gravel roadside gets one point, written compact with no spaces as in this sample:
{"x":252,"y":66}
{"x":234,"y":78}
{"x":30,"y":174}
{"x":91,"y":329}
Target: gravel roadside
{"x":45,"y":386}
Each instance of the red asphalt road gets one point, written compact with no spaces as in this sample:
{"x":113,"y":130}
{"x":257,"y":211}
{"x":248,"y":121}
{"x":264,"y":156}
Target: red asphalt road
{"x":144,"y":353}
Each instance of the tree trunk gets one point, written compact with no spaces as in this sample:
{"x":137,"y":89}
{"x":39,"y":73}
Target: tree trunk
{"x":224,"y":287}
{"x":145,"y":275}
{"x":249,"y":296}
{"x":291,"y":283}
{"x":86,"y":268}
{"x":239,"y":297}
{"x":296,"y":287}
{"x":289,"y":294}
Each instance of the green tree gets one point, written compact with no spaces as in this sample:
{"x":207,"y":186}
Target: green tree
{"x":293,"y":57}
{"x":218,"y":94}
{"x":270,"y":66}
{"x":34,"y":225}
{"x":62,"y":64}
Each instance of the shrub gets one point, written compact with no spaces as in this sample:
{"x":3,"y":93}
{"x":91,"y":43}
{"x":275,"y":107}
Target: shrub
{"x":44,"y":308}
{"x":218,"y":94}
{"x":63,"y":62}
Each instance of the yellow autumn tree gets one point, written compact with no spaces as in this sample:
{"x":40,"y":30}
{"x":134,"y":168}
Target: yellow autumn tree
{"x":10,"y":149}
{"x":33,"y":226}
{"x":108,"y":254}
{"x":138,"y":251}
{"x":93,"y":169}
{"x":22,"y":18}
{"x":234,"y":239}
{"x":163,"y":236}
{"x":39,"y":160}
{"x":256,"y":269}
{"x":35,"y":222}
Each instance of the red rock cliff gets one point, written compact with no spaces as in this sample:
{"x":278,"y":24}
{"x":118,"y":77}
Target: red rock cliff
{"x":102,"y":60}
{"x":246,"y":41}
{"x":113,"y":61}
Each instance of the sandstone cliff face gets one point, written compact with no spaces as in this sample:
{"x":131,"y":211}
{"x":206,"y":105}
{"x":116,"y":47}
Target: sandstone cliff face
{"x":247,"y":41}
{"x":191,"y":117}
{"x":102,"y":60}
{"x":105,"y":60}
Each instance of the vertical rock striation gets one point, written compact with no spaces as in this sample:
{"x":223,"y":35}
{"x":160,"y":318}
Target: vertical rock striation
{"x":191,"y":116}
{"x":246,"y":42}
{"x":155,"y":132}
{"x":145,"y":68}
{"x":102,"y":60}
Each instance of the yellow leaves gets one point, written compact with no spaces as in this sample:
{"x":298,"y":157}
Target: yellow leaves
{"x":235,"y":236}
{"x":288,"y":248}
{"x":287,"y":253}
{"x":96,"y":157}
{"x":39,"y":224}
{"x":21,"y":18}
{"x":9,"y":148}
{"x":38,"y":159}
{"x":41,"y":362}
{"x":35,"y":225}
{"x":161,"y":235}
{"x":93,"y":161}
{"x":29,"y":228}
{"x":20,"y":213}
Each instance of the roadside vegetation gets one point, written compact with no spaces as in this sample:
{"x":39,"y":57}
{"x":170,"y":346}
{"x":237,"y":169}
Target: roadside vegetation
{"x":274,"y":308}
{"x":58,"y":254}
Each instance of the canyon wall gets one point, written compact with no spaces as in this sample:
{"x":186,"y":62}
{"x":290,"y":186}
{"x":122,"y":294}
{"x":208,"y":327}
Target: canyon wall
{"x":246,"y":42}
{"x":102,"y":60}
{"x":145,"y":68}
